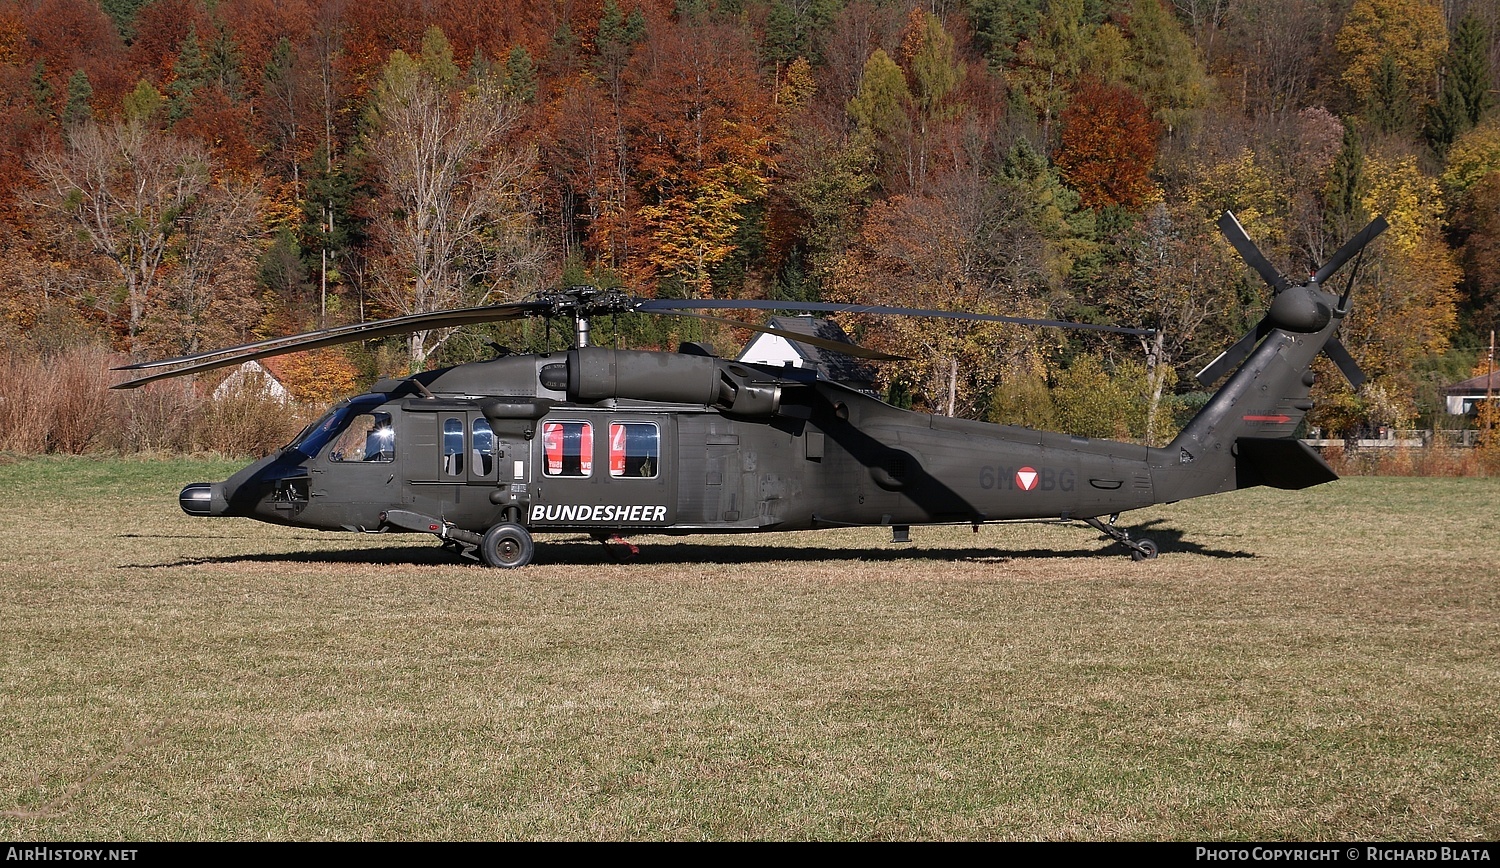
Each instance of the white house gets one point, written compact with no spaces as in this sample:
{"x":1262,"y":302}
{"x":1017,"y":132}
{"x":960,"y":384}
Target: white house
{"x":769,"y":349}
{"x":253,"y":375}
{"x":1461,"y":396}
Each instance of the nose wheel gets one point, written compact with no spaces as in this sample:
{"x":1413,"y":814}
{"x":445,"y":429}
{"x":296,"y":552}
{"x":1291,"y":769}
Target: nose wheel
{"x":507,"y":546}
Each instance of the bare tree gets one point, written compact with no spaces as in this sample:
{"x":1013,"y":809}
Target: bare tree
{"x":127,"y":189}
{"x":454,"y":214}
{"x":209,"y":298}
{"x":1177,"y":278}
{"x":1283,"y":52}
{"x":1204,"y":20}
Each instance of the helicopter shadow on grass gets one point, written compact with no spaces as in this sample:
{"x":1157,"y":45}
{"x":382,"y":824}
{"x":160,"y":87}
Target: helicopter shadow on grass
{"x":585,"y":551}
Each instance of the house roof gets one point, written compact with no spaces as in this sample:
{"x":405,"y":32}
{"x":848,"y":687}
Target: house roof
{"x":254,"y":367}
{"x":834,"y":366}
{"x":1479,"y":385}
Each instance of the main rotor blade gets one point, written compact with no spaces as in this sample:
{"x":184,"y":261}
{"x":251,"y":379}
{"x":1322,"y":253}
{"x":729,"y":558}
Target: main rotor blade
{"x":1236,"y":235}
{"x":358,"y":331}
{"x":1353,"y":246}
{"x":822,"y":343}
{"x":361,"y":331}
{"x":664,"y":305}
{"x":1231,"y":357}
{"x":328,"y":338}
{"x":1339,"y":355}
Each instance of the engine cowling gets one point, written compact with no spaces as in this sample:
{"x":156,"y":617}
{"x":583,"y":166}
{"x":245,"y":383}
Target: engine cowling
{"x":593,"y":374}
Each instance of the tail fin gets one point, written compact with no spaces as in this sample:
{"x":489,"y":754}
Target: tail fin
{"x":1244,"y":436}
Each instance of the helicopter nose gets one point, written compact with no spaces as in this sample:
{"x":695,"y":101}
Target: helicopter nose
{"x":203,"y":498}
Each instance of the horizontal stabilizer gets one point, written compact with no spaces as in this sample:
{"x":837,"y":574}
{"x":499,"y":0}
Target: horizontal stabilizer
{"x":1279,"y":463}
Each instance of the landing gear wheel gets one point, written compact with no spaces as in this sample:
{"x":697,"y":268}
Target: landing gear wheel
{"x":507,"y":546}
{"x":1144,"y":550}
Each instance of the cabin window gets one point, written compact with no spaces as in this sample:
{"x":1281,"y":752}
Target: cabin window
{"x":568,"y":448}
{"x":453,"y":447}
{"x":367,"y":437}
{"x":484,"y":448}
{"x":633,"y":449}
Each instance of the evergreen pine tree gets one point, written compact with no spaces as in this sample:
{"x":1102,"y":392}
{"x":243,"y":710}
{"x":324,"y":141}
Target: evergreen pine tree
{"x":520,"y":75}
{"x":223,"y":64}
{"x":122,"y":13}
{"x":480,"y":67}
{"x":142,"y":104}
{"x":41,"y":90}
{"x":80,"y":92}
{"x":1465,"y":96}
{"x":1447,"y":119}
{"x":188,"y":74}
{"x":1469,"y":68}
{"x":1389,"y":108}
{"x":1341,"y":197}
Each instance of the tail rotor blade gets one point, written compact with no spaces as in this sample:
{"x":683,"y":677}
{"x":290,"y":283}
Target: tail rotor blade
{"x":1351,"y":247}
{"x":1337,"y":353}
{"x":1235,"y":234}
{"x":1230,"y":358}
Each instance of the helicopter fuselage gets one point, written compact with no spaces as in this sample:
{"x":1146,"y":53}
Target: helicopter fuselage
{"x":771,"y":450}
{"x":613,"y":442}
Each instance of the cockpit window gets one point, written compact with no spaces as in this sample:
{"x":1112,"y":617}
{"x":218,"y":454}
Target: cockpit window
{"x":315,"y":436}
{"x":368,"y":437}
{"x":484,"y":447}
{"x":453,"y":447}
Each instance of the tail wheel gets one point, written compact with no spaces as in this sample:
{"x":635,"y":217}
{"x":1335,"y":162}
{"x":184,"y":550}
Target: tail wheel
{"x":1144,"y":550}
{"x":507,"y":545}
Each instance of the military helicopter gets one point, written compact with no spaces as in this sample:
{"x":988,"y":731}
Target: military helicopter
{"x":612,"y":442}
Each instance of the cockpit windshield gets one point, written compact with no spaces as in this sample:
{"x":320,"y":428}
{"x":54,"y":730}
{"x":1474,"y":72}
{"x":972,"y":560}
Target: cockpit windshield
{"x":315,"y":436}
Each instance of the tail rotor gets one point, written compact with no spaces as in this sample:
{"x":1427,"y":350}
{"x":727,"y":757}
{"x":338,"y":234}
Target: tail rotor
{"x":1305,"y":308}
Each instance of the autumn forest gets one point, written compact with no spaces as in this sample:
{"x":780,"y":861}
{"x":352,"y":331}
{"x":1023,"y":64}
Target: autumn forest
{"x":181,"y":175}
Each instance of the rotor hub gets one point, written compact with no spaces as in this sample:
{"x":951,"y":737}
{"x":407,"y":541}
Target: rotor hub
{"x":1304,"y":309}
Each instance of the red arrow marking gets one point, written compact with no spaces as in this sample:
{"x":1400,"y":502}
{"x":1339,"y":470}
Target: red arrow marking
{"x":1277,"y":419}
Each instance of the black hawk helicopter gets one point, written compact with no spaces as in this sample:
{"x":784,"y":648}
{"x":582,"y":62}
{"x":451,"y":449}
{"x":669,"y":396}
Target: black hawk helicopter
{"x":610,"y":442}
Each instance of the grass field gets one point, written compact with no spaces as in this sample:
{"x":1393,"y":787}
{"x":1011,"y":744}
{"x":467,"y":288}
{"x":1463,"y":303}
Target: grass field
{"x":1318,"y":665}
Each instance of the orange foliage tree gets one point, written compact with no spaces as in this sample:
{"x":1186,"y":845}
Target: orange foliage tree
{"x":318,"y":376}
{"x":1108,"y":146}
{"x":701,"y":126}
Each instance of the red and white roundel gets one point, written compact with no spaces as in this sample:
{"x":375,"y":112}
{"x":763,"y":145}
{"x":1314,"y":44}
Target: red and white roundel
{"x":1026,"y":477}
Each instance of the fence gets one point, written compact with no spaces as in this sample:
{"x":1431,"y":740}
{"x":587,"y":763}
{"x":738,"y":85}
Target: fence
{"x":1390,"y":438}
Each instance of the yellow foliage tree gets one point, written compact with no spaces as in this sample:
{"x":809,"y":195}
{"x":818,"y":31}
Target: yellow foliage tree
{"x":1242,"y":184}
{"x":1473,"y":156}
{"x":1405,"y":307}
{"x":1410,"y":32}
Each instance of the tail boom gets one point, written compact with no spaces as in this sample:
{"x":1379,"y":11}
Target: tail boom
{"x":1244,"y":436}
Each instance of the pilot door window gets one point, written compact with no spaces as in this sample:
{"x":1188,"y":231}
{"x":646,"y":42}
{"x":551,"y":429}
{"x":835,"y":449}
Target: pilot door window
{"x":568,"y":448}
{"x":368,"y":437}
{"x":634,"y":449}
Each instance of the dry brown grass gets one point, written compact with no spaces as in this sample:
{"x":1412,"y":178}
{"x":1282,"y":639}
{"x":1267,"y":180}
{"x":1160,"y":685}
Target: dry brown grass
{"x":1306,"y":666}
{"x":61,"y":403}
{"x":1426,"y":461}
